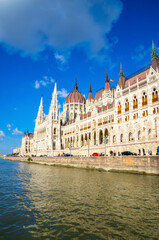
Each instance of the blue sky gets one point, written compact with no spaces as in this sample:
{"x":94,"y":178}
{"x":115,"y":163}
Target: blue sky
{"x":43,"y":41}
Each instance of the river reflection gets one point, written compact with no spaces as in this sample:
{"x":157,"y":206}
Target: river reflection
{"x":44,"y":202}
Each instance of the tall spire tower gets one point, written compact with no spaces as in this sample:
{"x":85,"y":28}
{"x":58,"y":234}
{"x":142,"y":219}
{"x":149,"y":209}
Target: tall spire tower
{"x":154,"y":57}
{"x":90,"y":95}
{"x":107,"y":84}
{"x":40,"y":116}
{"x":121,"y":81}
{"x":54,"y":108}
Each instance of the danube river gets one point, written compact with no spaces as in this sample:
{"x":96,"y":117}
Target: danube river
{"x":46,"y":202}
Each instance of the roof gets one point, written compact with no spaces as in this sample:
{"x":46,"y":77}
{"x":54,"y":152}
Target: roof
{"x":99,"y":94}
{"x":140,"y":76}
{"x":74,"y":97}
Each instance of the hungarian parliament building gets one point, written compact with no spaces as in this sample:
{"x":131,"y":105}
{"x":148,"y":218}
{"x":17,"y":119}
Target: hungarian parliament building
{"x":125,"y":118}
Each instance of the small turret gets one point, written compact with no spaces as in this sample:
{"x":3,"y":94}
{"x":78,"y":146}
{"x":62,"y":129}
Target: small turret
{"x":107,"y":84}
{"x":90,"y":95}
{"x":154,"y":57}
{"x":121,"y":81}
{"x":75,"y":86}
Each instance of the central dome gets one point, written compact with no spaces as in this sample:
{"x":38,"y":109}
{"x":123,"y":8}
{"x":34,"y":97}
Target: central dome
{"x":75,"y":96}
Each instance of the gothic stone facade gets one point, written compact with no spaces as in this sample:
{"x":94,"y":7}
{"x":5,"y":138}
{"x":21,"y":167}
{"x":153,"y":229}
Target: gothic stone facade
{"x":125,"y":118}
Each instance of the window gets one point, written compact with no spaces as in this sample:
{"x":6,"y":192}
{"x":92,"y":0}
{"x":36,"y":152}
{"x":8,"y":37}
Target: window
{"x":119,"y":108}
{"x":135,"y":103}
{"x":126,"y":105}
{"x":144,"y":99}
{"x":130,"y":137}
{"x":139,"y":134}
{"x":121,"y":138}
{"x":154,"y":95}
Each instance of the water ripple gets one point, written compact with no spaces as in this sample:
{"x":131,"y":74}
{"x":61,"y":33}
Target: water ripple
{"x":43,"y":202}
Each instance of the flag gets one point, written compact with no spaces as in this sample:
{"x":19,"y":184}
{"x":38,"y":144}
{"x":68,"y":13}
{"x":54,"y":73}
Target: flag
{"x":111,"y":80}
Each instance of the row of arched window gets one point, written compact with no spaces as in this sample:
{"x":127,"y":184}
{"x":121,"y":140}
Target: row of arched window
{"x":135,"y":101}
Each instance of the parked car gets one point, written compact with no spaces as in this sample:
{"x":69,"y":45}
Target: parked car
{"x":127,"y":153}
{"x":68,"y":155}
{"x":95,"y":154}
{"x":101,"y":154}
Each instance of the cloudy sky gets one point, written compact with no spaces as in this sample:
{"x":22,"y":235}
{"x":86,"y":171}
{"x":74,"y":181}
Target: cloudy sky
{"x":43,"y":41}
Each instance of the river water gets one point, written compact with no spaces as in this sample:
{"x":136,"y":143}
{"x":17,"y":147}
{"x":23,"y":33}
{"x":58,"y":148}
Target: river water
{"x":47,"y":202}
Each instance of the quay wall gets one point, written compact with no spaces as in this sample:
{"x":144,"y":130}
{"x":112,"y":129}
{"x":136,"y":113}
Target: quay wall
{"x":133,"y":164}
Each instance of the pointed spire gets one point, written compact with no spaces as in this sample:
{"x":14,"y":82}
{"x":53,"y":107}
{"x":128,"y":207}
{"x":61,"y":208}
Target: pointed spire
{"x":121,"y":74}
{"x":154,"y":53}
{"x":76,"y":87}
{"x":107,"y":85}
{"x":41,"y":102}
{"x":90,"y":95}
{"x":55,"y":89}
{"x":107,"y":79}
{"x":90,"y":88}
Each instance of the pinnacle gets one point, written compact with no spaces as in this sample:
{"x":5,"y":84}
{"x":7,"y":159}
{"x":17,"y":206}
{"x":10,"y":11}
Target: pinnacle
{"x":107,"y":79}
{"x":121,"y":74}
{"x":41,"y":102}
{"x":154,"y":53}
{"x":76,"y":87}
{"x":90,"y":88}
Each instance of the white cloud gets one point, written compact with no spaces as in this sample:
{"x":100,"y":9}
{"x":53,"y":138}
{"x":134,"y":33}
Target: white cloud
{"x":2,"y":135}
{"x":16,"y":132}
{"x":43,"y":82}
{"x":37,"y":85}
{"x":63,"y":93}
{"x":60,"y":58}
{"x":32,"y":25}
{"x":9,"y":127}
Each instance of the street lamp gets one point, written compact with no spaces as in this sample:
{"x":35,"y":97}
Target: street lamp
{"x":105,"y":141}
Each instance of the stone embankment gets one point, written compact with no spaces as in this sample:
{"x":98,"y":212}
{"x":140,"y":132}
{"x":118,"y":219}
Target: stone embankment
{"x":133,"y":164}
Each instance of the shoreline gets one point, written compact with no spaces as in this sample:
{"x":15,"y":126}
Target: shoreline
{"x":145,"y":165}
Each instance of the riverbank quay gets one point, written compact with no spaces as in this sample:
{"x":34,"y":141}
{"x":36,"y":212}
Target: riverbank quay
{"x":131,"y":164}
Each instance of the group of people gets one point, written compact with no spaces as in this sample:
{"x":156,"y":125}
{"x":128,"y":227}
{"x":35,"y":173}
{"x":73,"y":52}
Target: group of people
{"x":149,"y":151}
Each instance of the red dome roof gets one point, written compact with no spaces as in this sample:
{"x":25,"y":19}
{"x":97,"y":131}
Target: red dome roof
{"x":75,"y":96}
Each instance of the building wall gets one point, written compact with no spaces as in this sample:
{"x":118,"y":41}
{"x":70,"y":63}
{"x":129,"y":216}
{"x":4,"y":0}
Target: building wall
{"x":124,"y":119}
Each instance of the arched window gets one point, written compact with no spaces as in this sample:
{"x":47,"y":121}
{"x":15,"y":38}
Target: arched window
{"x":121,"y":138}
{"x":144,"y":99}
{"x":114,"y":139}
{"x":135,"y":102}
{"x":126,"y":105}
{"x":100,"y":137}
{"x":154,"y":95}
{"x":85,"y":139}
{"x":149,"y":133}
{"x":130,"y":136}
{"x":119,"y":108}
{"x":82,"y":142}
{"x":94,"y":138}
{"x":89,"y":136}
{"x":139,"y":135}
{"x":106,"y":135}
{"x":54,"y":130}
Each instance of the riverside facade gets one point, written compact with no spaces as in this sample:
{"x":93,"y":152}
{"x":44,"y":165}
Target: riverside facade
{"x":125,"y":118}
